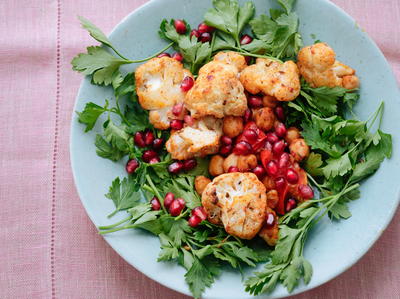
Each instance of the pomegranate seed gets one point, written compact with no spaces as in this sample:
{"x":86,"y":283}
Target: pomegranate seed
{"x":148,"y":138}
{"x":175,"y":167}
{"x":194,"y":221}
{"x":250,"y":135}
{"x":242,"y":148}
{"x":181,"y":201}
{"x":205,"y":37}
{"x":177,"y":109}
{"x":246,"y":39}
{"x":290,"y":204}
{"x":189,"y":164}
{"x":148,"y":155}
{"x":233,"y":169}
{"x":267,"y":146}
{"x":154,"y":160}
{"x":225,"y":150}
{"x":168,"y":199}
{"x":248,"y":59}
{"x":255,"y":101}
{"x":306,"y":192}
{"x":226,"y":140}
{"x":280,"y":113}
{"x":283,"y":161}
{"x":139,"y":139}
{"x":272,"y":168}
{"x":155,"y":204}
{"x":280,"y":183}
{"x":164,"y":55}
{"x":177,"y":56}
{"x":269,"y":220}
{"x":259,"y":171}
{"x":158,"y":143}
{"x":272,"y":137}
{"x":280,"y":130}
{"x":292,"y":176}
{"x":131,"y":166}
{"x":187,"y":84}
{"x":180,"y":26}
{"x":176,"y":124}
{"x":200,"y":212}
{"x":175,"y":208}
{"x":205,"y":28}
{"x":195,"y":32}
{"x":279,"y":147}
{"x":247,"y":115}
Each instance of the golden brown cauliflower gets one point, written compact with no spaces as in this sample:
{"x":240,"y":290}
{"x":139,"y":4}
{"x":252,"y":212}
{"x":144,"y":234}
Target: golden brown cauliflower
{"x":158,"y":87}
{"x":276,"y":79}
{"x":198,"y":140}
{"x":217,"y":90}
{"x":232,"y":58}
{"x":238,"y":201}
{"x":319,"y":67}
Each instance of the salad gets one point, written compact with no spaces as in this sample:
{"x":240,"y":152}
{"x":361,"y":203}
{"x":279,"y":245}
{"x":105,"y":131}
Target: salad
{"x":237,"y":138}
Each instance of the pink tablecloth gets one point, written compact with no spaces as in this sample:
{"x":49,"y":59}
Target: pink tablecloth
{"x":48,"y":246}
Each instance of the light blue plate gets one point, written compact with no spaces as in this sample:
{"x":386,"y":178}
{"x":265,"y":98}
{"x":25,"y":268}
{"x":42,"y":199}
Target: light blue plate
{"x":332,"y":247}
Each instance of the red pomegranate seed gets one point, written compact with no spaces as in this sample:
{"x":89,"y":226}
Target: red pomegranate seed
{"x":272,"y":137}
{"x":154,"y":160}
{"x":148,"y":155}
{"x":272,"y":168}
{"x":306,"y":192}
{"x":131,"y":166}
{"x":259,"y":171}
{"x":164,"y":55}
{"x":168,"y":199}
{"x":290,"y":204}
{"x":175,"y":208}
{"x":280,"y":113}
{"x":177,"y":109}
{"x":247,"y":115}
{"x":255,"y":101}
{"x":205,"y":37}
{"x":175,"y":167}
{"x":188,"y":120}
{"x":148,"y":138}
{"x":267,"y":146}
{"x":279,"y":147}
{"x":155,"y":204}
{"x":195,"y":32}
{"x":177,"y":56}
{"x":180,"y":26}
{"x":283,"y":161}
{"x":205,"y":28}
{"x":291,"y":176}
{"x":233,"y":169}
{"x":189,"y":164}
{"x":158,"y":143}
{"x":280,"y":130}
{"x":181,"y":201}
{"x":176,"y":124}
{"x":225,"y":150}
{"x":187,"y":84}
{"x":226,"y":140}
{"x":248,"y":59}
{"x":250,"y":135}
{"x":194,"y":221}
{"x":269,"y":220}
{"x":280,"y":183}
{"x":246,"y":39}
{"x":242,"y":148}
{"x":200,"y":212}
{"x":139,"y":139}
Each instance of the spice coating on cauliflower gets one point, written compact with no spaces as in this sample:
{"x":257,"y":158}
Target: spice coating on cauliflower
{"x":319,"y":67}
{"x":238,"y":201}
{"x":158,"y":88}
{"x":199,"y":140}
{"x":276,"y":79}
{"x":232,"y":58}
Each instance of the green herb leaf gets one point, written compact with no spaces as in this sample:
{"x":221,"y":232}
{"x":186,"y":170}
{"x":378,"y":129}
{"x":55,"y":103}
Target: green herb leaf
{"x":313,"y":164}
{"x":90,"y":114}
{"x":198,"y":278}
{"x":287,"y":4}
{"x":95,"y":32}
{"x":123,"y":196}
{"x":337,"y":166}
{"x":106,"y":150}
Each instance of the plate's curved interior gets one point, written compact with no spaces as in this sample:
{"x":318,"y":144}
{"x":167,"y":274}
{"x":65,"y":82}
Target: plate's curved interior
{"x":331,"y":247}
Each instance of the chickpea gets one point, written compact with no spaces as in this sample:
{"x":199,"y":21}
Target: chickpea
{"x":272,"y":198}
{"x":216,"y":165}
{"x":292,"y":134}
{"x":246,"y":163}
{"x":200,"y":183}
{"x":231,"y":160}
{"x":264,"y":118}
{"x":299,"y":149}
{"x":270,"y":101}
{"x":232,"y":126}
{"x":269,"y":183}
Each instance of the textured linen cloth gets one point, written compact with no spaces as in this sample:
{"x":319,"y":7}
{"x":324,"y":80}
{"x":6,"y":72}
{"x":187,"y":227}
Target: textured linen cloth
{"x":48,"y":246}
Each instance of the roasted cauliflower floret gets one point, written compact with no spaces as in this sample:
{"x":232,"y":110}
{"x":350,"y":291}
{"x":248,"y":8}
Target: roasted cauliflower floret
{"x":217,"y":92}
{"x":198,"y":140}
{"x":276,"y":79}
{"x":158,"y":87}
{"x":319,"y":67}
{"x":238,"y":201}
{"x":232,"y":58}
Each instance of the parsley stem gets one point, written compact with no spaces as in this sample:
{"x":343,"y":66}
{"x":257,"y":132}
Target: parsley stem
{"x":116,"y":229}
{"x":247,"y":53}
{"x":155,"y":55}
{"x":155,"y":191}
{"x":118,"y":53}
{"x":116,"y":224}
{"x":181,"y":215}
{"x":314,"y":182}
